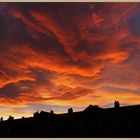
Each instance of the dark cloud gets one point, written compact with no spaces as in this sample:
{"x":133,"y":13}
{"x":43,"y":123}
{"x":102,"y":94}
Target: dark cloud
{"x":42,"y":76}
{"x":10,"y":91}
{"x":120,"y":90}
{"x":13,"y":31}
{"x":128,"y":45}
{"x":74,"y":93}
{"x":134,"y":23}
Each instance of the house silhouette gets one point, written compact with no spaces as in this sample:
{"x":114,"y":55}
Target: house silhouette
{"x":93,"y":121}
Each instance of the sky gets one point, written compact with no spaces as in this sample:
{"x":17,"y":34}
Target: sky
{"x":61,"y":55}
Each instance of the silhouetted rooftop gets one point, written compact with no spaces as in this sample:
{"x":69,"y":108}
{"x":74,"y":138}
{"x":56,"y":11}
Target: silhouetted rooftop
{"x":93,"y":121}
{"x":92,"y":108}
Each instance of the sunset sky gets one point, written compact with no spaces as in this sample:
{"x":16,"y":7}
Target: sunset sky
{"x":63,"y":55}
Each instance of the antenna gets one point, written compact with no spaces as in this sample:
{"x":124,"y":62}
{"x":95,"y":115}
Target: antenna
{"x":51,"y":111}
{"x":50,"y":108}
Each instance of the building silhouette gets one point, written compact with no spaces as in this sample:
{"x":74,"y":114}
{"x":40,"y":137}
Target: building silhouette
{"x":10,"y":118}
{"x":92,"y":122}
{"x":1,"y":119}
{"x":70,"y":111}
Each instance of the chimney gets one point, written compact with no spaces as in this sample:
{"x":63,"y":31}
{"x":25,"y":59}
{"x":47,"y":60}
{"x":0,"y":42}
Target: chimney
{"x":116,"y":104}
{"x":51,"y":112}
{"x":70,"y":111}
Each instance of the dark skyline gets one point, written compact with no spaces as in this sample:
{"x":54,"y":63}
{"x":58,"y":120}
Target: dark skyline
{"x":92,"y":122}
